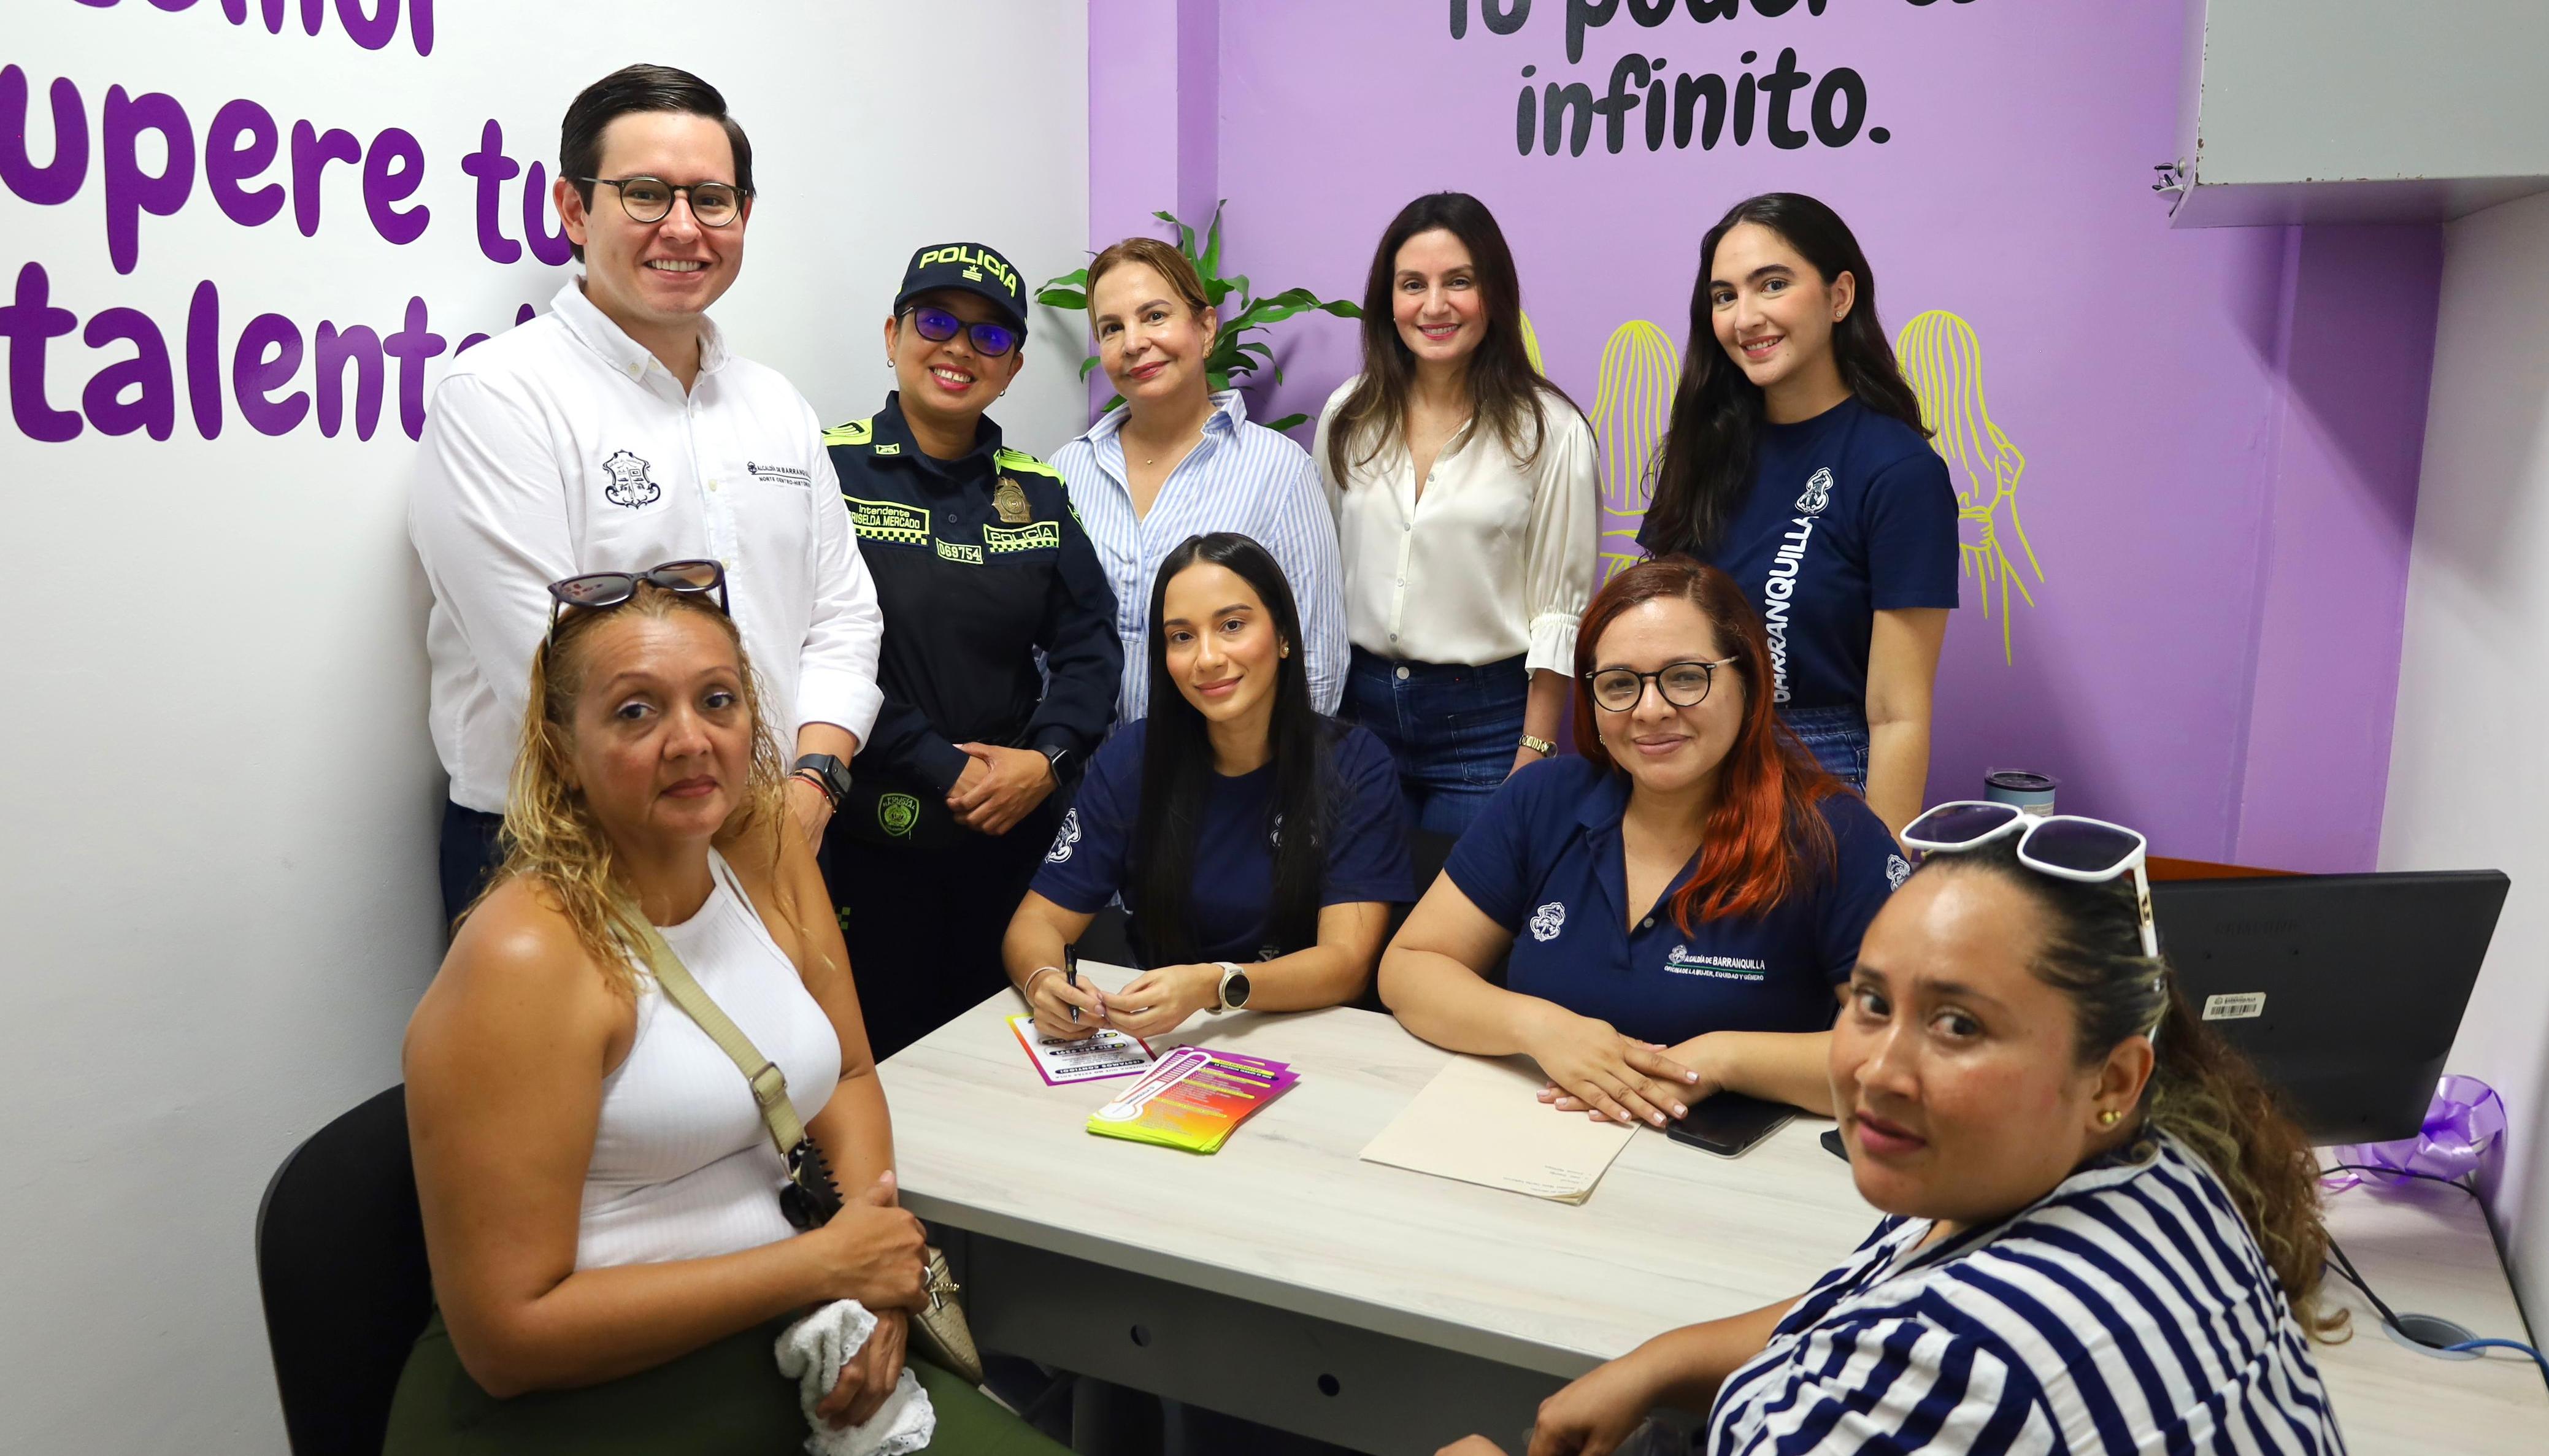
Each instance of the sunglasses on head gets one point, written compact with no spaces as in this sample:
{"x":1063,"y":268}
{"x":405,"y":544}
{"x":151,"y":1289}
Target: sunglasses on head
{"x":937,"y":325}
{"x":2065,"y":846}
{"x":602,"y":591}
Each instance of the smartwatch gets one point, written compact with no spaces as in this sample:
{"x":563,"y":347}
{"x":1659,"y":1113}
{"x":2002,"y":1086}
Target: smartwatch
{"x":1054,"y":759}
{"x":1234,"y":987}
{"x":826,"y":772}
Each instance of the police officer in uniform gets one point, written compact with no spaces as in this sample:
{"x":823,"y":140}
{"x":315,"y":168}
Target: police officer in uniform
{"x":980,"y":564}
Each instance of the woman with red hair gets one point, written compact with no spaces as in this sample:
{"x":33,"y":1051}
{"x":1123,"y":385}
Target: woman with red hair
{"x":1679,"y":899}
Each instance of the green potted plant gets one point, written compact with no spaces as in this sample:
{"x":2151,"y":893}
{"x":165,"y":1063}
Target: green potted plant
{"x":1234,"y":355}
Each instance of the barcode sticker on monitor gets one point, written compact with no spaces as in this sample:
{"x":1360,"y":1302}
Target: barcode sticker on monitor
{"x":2234,"y":1007}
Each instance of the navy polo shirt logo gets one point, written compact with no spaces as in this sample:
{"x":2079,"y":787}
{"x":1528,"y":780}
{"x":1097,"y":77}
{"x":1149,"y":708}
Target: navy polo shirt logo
{"x":1059,"y":853}
{"x":1684,"y":960}
{"x":1548,"y":921}
{"x":1818,"y":493}
{"x":1897,"y":870}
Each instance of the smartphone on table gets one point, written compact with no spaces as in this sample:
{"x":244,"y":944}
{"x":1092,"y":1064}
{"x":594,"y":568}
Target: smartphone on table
{"x":1728,"y":1122}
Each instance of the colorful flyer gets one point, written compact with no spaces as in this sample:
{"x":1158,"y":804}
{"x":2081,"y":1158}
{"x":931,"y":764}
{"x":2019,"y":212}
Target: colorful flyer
{"x":1109,"y":1053}
{"x":1193,"y":1099}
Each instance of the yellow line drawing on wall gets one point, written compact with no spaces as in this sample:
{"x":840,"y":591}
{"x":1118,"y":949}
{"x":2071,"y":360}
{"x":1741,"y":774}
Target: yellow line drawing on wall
{"x":1632,"y":400}
{"x":1944,"y":360}
{"x":1531,"y":345}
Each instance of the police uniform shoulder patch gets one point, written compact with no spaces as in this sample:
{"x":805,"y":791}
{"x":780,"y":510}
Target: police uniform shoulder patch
{"x":856,"y":432}
{"x":1020,"y":461}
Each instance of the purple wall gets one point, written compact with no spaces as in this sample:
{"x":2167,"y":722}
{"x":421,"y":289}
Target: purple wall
{"x":2220,"y":429}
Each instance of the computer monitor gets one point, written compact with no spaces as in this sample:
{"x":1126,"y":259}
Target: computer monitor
{"x":2345,"y":990}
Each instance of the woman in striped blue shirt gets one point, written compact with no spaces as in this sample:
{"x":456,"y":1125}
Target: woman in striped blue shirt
{"x":1179,"y":460}
{"x":2097,"y":1241}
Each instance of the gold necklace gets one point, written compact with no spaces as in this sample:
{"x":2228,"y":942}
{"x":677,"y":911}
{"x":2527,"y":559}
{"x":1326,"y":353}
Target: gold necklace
{"x":1150,"y":460}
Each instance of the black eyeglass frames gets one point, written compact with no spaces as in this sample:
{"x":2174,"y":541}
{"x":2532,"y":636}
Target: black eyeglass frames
{"x":650,"y":199}
{"x":1683,"y":684}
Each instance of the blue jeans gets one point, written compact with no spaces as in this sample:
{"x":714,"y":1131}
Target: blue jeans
{"x":1453,"y":729}
{"x":1837,"y":737}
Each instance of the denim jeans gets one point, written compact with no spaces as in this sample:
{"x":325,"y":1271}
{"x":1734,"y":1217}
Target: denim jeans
{"x":1453,"y":729}
{"x":1837,"y":737}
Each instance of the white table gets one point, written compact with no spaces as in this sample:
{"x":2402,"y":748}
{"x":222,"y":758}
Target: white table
{"x":1286,"y":1281}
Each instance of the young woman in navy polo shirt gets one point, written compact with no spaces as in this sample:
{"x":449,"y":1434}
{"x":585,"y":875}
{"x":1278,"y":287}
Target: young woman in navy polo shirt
{"x":1258,"y":845}
{"x":1798,"y":463}
{"x":1679,"y":900}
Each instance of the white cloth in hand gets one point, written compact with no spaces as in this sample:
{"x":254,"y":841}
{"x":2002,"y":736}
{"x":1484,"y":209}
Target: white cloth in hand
{"x":811,"y":1352}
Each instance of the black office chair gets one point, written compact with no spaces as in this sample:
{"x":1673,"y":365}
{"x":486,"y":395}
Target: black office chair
{"x":340,"y":1263}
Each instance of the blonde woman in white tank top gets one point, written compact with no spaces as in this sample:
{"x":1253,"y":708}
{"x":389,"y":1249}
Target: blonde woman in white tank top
{"x":600,"y":1195}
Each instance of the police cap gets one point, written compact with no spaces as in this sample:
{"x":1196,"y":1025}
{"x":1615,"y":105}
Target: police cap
{"x":970,"y":267}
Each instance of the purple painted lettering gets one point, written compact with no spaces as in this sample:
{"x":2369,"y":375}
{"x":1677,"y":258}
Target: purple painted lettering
{"x":57,"y":180}
{"x":550,"y":247}
{"x":267,"y":356}
{"x":311,"y":152}
{"x":30,"y":325}
{"x":371,"y":32}
{"x":131,"y":191}
{"x":203,"y":359}
{"x":154,"y":407}
{"x":412,"y":346}
{"x":493,"y":169}
{"x":392,"y":171}
{"x":361,"y":348}
{"x":238,"y":147}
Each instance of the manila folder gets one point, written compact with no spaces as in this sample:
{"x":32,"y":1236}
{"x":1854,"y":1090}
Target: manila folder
{"x":1482,"y":1122}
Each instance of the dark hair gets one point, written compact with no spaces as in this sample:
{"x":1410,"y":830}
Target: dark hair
{"x":1176,"y":770}
{"x":1706,"y":465}
{"x":1765,"y":838}
{"x":1504,"y":387}
{"x":2202,"y":1091}
{"x":633,"y":88}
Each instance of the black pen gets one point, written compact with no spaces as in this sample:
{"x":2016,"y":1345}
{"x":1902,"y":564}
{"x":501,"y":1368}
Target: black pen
{"x":1071,"y":975}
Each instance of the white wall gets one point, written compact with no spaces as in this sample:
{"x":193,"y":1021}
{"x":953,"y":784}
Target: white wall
{"x":2469,"y":768}
{"x":217,"y":885}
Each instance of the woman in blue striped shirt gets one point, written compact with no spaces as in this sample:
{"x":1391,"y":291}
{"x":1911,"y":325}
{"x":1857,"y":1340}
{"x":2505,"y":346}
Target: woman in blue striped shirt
{"x":2097,"y":1242}
{"x":1179,"y":460}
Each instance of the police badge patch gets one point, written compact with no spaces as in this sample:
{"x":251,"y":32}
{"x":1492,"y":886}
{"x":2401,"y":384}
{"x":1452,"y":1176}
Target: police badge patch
{"x":1009,"y":498}
{"x":897,"y":813}
{"x":629,"y":483}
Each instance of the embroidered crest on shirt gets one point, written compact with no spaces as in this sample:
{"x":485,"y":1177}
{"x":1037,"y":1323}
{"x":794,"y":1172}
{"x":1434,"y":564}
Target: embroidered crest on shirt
{"x":629,"y":483}
{"x":1897,"y":870}
{"x":1062,"y":843}
{"x":1818,"y":493}
{"x":1548,"y":921}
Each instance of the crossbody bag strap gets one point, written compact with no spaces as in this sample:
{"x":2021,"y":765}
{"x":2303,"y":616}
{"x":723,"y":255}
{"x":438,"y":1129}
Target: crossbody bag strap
{"x":769,"y":1083}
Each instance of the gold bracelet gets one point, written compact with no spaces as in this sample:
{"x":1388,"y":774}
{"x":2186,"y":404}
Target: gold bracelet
{"x":1539,"y":746}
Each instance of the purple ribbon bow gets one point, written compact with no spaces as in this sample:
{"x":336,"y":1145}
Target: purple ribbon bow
{"x":2462,"y":1127}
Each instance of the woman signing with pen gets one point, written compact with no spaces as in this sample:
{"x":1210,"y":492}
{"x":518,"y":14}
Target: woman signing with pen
{"x":1258,"y":845}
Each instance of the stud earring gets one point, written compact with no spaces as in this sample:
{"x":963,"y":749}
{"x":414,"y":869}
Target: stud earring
{"x":2110,"y":1118}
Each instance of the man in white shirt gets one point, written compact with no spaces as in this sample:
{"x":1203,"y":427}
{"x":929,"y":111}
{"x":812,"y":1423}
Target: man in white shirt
{"x":616,"y":434}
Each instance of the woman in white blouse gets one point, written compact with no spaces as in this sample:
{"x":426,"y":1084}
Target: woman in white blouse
{"x":1463,"y":484}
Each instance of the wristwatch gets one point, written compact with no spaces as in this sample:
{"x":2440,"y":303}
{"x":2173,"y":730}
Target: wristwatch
{"x":1539,"y":746}
{"x":1054,"y":759}
{"x":1234,"y":988}
{"x":826,"y":772}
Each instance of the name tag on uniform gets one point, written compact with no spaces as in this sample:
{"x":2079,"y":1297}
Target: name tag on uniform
{"x":887,"y":521}
{"x":969,"y":555}
{"x":1044,"y":533}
